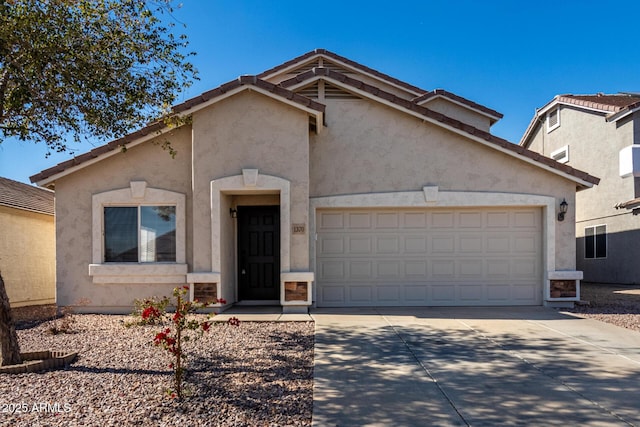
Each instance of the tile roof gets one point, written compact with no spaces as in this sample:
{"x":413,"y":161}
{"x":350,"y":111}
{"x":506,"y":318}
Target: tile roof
{"x":614,"y":106}
{"x":18,"y":195}
{"x":422,"y":94}
{"x":282,"y":91}
{"x":346,"y":61}
{"x":600,"y":101}
{"x":441,"y":92}
{"x":159,"y":126}
{"x":439,"y":117}
{"x":629,"y":204}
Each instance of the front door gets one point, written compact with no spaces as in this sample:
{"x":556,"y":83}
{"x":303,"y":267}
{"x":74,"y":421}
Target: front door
{"x":259,"y":252}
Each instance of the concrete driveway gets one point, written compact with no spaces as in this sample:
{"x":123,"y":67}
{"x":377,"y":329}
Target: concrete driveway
{"x":473,"y":366}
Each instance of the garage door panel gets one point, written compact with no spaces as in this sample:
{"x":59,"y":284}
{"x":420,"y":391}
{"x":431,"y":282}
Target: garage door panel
{"x":387,"y":220}
{"x":415,"y":245}
{"x":470,"y":220}
{"x":360,"y":294}
{"x":332,"y":270}
{"x":470,"y":293}
{"x":413,"y":269}
{"x":360,"y":245}
{"x":388,"y":293}
{"x":488,"y":256}
{"x":359,"y":220}
{"x":414,"y":220}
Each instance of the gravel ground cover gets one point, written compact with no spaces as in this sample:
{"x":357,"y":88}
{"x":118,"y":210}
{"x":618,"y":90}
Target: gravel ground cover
{"x":257,"y":374}
{"x":616,"y":304}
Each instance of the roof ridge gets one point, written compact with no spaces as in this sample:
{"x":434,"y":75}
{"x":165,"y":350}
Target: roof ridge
{"x":458,"y":98}
{"x":344,"y":60}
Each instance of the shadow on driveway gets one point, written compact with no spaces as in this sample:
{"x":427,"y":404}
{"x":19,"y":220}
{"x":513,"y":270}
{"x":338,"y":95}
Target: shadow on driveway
{"x":473,"y":366}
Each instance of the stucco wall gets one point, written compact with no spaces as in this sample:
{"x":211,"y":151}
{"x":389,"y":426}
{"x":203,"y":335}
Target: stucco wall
{"x":368,"y":147}
{"x":455,"y":111}
{"x":27,"y":256}
{"x":249,"y":131}
{"x":594,"y":146}
{"x":146,"y":162}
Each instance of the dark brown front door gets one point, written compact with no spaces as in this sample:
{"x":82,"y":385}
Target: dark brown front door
{"x":259,"y":252}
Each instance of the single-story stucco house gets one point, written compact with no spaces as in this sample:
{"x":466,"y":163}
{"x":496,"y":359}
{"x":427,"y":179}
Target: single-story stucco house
{"x":27,"y":243}
{"x":318,"y":182}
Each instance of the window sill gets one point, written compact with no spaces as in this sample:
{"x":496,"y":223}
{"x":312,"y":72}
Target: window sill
{"x":138,"y":273}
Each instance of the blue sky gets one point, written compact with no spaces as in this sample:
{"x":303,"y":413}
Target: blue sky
{"x":511,"y":56}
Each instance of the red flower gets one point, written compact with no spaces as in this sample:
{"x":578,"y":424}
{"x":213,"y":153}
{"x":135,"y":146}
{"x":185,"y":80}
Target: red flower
{"x":186,"y":287}
{"x":150,"y":312}
{"x":161,"y":336}
{"x":222,"y":301}
{"x":205,"y":326}
{"x":170,"y":365}
{"x":177,"y":316}
{"x":234,"y":321}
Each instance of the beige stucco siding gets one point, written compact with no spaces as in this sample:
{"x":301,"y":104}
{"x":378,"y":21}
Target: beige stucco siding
{"x":27,"y":256}
{"x":594,"y":146}
{"x":464,"y":114}
{"x":248,"y":131}
{"x":146,"y":162}
{"x":371,"y":148}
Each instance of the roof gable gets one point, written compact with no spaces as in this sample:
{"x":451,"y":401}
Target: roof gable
{"x":486,"y":138}
{"x":424,"y":99}
{"x":205,"y":99}
{"x":343,"y":85}
{"x":17,"y":195}
{"x":326,"y":59}
{"x":612,"y":106}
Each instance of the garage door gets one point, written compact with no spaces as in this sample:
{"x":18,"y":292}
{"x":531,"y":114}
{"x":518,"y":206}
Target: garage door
{"x":431,"y":257}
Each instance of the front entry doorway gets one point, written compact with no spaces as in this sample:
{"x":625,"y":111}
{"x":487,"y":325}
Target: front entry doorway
{"x":258,"y":253}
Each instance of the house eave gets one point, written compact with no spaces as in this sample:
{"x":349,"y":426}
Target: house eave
{"x":316,"y":114}
{"x":492,"y":118}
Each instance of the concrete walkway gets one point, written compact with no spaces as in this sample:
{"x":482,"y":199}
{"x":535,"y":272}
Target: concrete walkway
{"x":473,"y":366}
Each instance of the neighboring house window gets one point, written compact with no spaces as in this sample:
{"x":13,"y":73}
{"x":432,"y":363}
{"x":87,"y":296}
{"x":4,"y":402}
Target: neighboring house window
{"x":595,"y":242}
{"x":553,"y":119}
{"x":561,"y":155}
{"x":140,"y":234}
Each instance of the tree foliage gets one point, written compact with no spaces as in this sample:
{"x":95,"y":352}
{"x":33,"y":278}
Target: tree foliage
{"x":74,"y":69}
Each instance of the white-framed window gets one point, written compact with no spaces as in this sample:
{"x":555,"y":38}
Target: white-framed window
{"x":595,"y":242}
{"x":561,"y":154}
{"x":140,"y":233}
{"x":553,"y":119}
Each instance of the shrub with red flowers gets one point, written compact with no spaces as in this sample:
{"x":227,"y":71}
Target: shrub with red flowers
{"x":171,"y":339}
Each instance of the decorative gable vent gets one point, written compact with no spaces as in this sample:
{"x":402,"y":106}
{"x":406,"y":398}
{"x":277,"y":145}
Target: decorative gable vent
{"x":561,"y":155}
{"x":333,"y":92}
{"x":322,"y":90}
{"x":310,"y":91}
{"x":319,"y":62}
{"x":553,"y":119}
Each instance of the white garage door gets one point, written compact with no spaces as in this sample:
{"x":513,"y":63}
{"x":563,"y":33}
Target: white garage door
{"x":429,"y":257}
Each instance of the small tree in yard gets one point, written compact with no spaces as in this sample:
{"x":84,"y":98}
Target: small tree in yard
{"x":172,"y":338}
{"x":82,"y":69}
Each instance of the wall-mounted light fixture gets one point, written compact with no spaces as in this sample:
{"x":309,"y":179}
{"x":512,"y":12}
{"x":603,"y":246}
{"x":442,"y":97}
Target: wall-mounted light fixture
{"x":563,"y":210}
{"x":233,"y":212}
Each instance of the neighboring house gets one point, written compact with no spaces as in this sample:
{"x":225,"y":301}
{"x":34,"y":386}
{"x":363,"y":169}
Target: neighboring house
{"x":27,"y":243}
{"x":318,"y":181}
{"x":599,"y":134}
